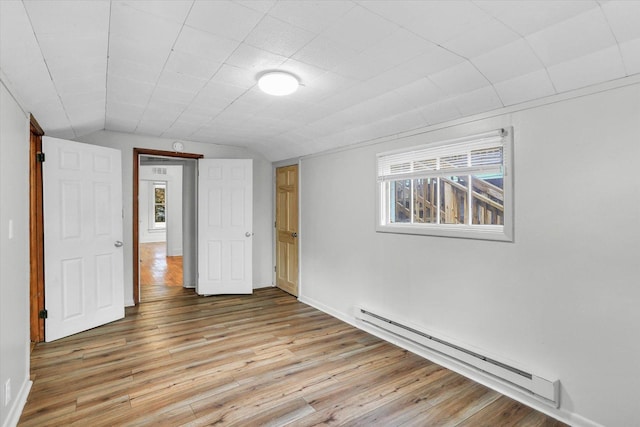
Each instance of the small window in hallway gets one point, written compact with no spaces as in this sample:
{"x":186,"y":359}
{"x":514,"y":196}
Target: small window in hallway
{"x":159,"y":205}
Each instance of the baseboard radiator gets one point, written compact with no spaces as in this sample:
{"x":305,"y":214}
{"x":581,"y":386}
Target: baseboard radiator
{"x":540,"y":388}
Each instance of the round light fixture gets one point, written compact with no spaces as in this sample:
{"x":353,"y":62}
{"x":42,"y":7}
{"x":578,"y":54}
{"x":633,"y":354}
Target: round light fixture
{"x":278,"y":83}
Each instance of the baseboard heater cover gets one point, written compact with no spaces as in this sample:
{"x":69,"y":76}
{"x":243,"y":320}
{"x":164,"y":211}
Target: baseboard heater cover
{"x":543,"y":389}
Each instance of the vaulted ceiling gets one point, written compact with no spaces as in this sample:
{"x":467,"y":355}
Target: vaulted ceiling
{"x":188,"y":69}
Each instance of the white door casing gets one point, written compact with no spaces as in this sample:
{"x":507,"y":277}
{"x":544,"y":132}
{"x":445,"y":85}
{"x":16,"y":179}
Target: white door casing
{"x":225,"y":226}
{"x":84,"y":279}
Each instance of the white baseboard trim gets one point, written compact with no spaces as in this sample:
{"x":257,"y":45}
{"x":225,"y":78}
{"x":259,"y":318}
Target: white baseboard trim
{"x":570,"y":418}
{"x":322,"y":307}
{"x":18,"y":405}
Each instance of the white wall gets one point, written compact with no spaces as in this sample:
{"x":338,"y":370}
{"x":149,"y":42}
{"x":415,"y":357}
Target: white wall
{"x":262,"y":201}
{"x":174,"y":210}
{"x":562,"y":300}
{"x":189,"y":219}
{"x":14,"y":257}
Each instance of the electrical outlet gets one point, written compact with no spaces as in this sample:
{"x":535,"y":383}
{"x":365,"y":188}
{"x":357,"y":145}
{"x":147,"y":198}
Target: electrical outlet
{"x":7,"y":392}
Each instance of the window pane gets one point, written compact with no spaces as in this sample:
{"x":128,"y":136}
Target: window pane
{"x":159,"y":193}
{"x":400,"y":195}
{"x":453,"y":199}
{"x":488,"y":199}
{"x":425,"y":200}
{"x":159,"y":213}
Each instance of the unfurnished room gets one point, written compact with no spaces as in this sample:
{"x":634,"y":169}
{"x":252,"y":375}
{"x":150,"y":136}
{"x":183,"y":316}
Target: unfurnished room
{"x":332,"y":212}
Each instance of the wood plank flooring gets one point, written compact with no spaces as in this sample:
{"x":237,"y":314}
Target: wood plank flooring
{"x":253,"y":360}
{"x":160,"y":275}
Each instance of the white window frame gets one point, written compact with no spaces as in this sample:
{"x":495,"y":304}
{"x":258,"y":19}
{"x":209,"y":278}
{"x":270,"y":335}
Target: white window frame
{"x":153,"y":225}
{"x":385,"y":174}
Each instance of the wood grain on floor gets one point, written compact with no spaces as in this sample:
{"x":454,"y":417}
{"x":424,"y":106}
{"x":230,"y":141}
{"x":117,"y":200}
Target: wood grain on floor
{"x":252,"y":360}
{"x":160,"y":275}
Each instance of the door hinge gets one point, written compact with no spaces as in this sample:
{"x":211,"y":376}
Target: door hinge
{"x":275,"y":224}
{"x":275,"y":269}
{"x":40,"y":157}
{"x":43,"y":314}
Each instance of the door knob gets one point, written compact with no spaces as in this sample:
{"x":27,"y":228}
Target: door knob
{"x":118,"y":244}
{"x":247,"y":234}
{"x":294,"y":234}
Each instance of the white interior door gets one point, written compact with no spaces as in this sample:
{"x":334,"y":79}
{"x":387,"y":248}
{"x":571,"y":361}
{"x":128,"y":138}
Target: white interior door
{"x":225,"y":223}
{"x":84,"y":278}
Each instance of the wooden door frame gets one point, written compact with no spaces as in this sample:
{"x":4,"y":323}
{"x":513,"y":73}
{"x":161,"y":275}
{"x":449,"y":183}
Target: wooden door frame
{"x":137,"y":152}
{"x":36,"y":234}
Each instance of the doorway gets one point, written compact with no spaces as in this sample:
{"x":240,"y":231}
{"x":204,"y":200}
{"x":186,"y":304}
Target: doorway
{"x":287,"y":229}
{"x":160,"y":227}
{"x":170,"y":262}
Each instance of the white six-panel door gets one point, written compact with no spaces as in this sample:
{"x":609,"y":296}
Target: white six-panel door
{"x":82,"y":186}
{"x":225,"y":223}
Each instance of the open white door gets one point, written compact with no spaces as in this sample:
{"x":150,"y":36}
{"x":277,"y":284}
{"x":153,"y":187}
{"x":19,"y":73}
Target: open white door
{"x":225,"y":223}
{"x":84,"y":278}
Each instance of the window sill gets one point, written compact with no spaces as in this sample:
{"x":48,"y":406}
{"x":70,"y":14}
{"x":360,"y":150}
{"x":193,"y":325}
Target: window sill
{"x":478,"y":232}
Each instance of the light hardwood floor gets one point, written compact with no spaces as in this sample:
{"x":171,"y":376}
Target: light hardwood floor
{"x":160,"y":275}
{"x":261,"y":359}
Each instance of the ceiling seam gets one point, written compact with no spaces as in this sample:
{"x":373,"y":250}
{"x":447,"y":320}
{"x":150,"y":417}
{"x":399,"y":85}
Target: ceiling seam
{"x":446,"y":49}
{"x":309,"y":42}
{"x":606,"y":19}
{"x":290,"y":57}
{"x":526,"y":41}
{"x":275,"y":136}
{"x":44,"y":60}
{"x":354,"y":5}
{"x":155,"y":86}
{"x":217,"y":71}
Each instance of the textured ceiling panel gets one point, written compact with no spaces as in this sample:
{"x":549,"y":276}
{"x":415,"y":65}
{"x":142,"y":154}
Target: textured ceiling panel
{"x":575,"y":37}
{"x":188,"y":69}
{"x":536,"y":84}
{"x":530,"y":16}
{"x":223,"y":18}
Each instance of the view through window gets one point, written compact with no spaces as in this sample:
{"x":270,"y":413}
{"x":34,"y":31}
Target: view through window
{"x":455,"y":188}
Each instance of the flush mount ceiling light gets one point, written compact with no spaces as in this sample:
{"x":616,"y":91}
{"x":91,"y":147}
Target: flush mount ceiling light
{"x":278,"y":83}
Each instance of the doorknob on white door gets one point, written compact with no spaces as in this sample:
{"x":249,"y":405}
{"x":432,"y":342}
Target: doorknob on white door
{"x":248,"y":234}
{"x":118,"y":244}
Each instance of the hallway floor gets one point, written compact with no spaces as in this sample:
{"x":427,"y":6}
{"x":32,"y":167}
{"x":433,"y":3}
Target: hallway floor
{"x":160,"y":275}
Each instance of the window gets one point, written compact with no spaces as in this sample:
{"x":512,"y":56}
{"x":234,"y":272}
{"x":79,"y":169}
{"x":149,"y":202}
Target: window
{"x":159,"y":205}
{"x":455,"y":188}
